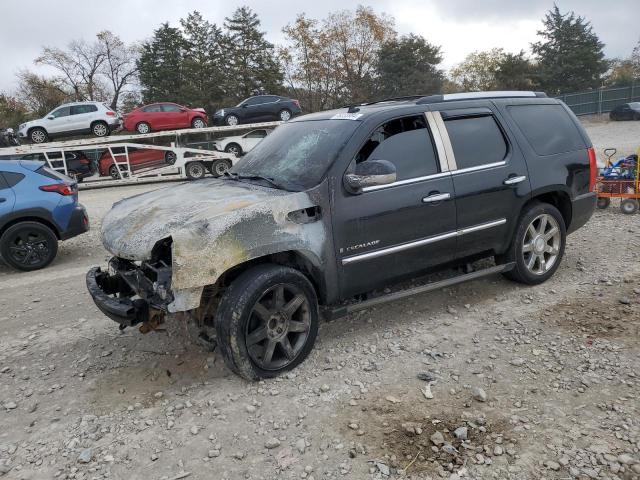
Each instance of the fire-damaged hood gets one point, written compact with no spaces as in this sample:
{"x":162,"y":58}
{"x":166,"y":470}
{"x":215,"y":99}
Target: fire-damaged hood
{"x":214,"y":224}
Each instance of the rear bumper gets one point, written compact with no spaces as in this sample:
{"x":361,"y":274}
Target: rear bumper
{"x":78,"y":224}
{"x":582,"y":207}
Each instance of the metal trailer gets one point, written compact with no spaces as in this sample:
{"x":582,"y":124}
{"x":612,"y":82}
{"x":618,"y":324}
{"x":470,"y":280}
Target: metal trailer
{"x":620,"y":180}
{"x":187,"y":162}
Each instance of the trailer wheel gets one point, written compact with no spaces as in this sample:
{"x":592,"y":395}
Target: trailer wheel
{"x":195,"y":170}
{"x":219,"y":167}
{"x":603,"y":202}
{"x":629,"y":206}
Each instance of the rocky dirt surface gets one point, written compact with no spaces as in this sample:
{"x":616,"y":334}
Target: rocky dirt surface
{"x":489,"y":379}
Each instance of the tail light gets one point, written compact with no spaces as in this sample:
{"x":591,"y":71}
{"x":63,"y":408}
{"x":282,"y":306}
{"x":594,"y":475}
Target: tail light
{"x":110,"y":113}
{"x":61,"y":188}
{"x":593,"y":168}
{"x":297,"y":103}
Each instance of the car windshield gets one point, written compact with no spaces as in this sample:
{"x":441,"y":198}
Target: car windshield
{"x":297,"y":154}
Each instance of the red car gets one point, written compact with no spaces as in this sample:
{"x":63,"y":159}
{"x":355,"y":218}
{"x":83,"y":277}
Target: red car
{"x":138,"y":159}
{"x":164,"y":116}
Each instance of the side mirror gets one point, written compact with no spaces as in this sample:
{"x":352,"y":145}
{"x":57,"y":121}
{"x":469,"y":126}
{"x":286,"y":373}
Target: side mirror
{"x":370,"y":173}
{"x":244,"y":105}
{"x":51,"y":117}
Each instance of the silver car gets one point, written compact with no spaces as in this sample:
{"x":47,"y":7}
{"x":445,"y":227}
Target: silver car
{"x":72,"y":119}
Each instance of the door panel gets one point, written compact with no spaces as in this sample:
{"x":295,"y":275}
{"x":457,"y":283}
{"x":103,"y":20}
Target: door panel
{"x":391,"y":231}
{"x":491,"y":183}
{"x":7,"y":197}
{"x":400,"y":232}
{"x":61,"y":121}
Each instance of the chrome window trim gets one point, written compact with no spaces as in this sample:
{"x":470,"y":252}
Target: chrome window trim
{"x":424,"y":241}
{"x":486,"y":166}
{"x":406,"y":181}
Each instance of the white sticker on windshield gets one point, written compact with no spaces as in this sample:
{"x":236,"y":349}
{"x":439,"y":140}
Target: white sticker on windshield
{"x":346,"y":116}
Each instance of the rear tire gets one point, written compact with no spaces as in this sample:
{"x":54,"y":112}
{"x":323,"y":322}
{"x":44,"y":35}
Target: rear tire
{"x":28,"y":246}
{"x":100,"y":129}
{"x":537,"y":246}
{"x":195,"y":170}
{"x":38,"y":135}
{"x":603,"y":202}
{"x":267,"y":321}
{"x":629,"y":206}
{"x":170,"y":157}
{"x":219,"y":167}
{"x":284,"y":115}
{"x":231,"y":120}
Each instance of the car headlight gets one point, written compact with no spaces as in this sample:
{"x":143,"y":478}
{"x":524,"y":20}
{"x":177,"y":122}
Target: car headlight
{"x":22,"y":125}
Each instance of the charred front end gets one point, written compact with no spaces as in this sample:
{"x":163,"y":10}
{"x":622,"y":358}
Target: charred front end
{"x":132,"y":293}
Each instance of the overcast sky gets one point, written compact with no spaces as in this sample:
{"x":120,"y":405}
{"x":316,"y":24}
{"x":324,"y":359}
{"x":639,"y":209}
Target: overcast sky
{"x":459,"y":26}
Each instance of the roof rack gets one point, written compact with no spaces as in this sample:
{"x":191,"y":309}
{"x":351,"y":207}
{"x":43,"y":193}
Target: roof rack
{"x":395,"y":99}
{"x":478,"y":95}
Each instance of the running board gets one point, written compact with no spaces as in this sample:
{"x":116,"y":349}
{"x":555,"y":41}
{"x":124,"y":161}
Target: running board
{"x":345,"y":310}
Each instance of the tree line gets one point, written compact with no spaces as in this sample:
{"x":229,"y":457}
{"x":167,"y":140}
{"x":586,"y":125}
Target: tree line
{"x":351,"y":56}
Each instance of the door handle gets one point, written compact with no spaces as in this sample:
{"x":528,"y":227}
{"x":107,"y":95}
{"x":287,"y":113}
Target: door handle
{"x":515,"y":180}
{"x":3,"y":200}
{"x":436,"y":197}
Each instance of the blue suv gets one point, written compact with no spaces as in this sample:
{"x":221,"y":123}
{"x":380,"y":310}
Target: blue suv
{"x":38,"y":207}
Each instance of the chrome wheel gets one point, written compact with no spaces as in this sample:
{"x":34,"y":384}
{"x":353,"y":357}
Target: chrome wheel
{"x":232,"y":120}
{"x":278,"y":327}
{"x":285,"y":115}
{"x":38,"y":136}
{"x":198,"y":123}
{"x":541,"y":244}
{"x":143,"y":128}
{"x":100,"y":130}
{"x":195,"y":170}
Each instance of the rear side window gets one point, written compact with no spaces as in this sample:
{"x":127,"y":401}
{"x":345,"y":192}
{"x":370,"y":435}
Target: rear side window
{"x":3,"y":182}
{"x":80,"y":109}
{"x":476,"y":141}
{"x":49,"y":172}
{"x":12,"y":178}
{"x":548,"y":128}
{"x":170,"y":108}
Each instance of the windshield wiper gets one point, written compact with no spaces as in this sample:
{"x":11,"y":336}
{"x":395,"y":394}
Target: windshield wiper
{"x":253,"y":176}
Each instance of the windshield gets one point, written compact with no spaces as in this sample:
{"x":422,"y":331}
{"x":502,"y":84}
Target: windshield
{"x":297,"y":153}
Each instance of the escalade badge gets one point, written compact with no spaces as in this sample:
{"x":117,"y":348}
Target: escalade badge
{"x":360,"y":246}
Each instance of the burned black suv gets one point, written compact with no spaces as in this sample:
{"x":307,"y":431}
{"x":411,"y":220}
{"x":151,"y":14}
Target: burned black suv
{"x":334,"y":206}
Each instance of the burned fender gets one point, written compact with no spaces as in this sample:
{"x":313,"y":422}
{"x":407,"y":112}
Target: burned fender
{"x":215,"y":225}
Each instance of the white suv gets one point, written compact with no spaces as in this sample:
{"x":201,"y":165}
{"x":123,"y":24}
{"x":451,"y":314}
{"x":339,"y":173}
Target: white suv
{"x":72,"y":119}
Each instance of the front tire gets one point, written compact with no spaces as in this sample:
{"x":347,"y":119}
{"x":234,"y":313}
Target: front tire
{"x":234,"y":149}
{"x":195,"y":170}
{"x":143,"y":127}
{"x":231,"y":120}
{"x":28,"y":246}
{"x":198,"y":123}
{"x":537,"y":246}
{"x":38,"y":135}
{"x":267,"y":321}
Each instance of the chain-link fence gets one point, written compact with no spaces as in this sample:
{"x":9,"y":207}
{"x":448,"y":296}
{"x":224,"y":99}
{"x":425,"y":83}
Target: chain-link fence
{"x":602,"y":100}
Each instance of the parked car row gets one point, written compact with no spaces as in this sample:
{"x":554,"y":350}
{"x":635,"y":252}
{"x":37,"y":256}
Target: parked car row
{"x":100,"y":120}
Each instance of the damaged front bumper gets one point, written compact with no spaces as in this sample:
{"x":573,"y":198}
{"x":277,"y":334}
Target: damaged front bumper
{"x":131,"y":294}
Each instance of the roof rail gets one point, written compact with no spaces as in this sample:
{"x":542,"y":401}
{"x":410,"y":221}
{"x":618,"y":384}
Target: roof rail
{"x":478,"y":95}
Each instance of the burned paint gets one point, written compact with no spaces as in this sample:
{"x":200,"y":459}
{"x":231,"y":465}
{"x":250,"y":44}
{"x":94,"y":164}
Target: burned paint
{"x":215,"y":225}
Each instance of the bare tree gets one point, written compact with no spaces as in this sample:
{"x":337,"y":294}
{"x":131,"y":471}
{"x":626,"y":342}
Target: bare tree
{"x":62,"y":61}
{"x":119,"y":66}
{"x":40,"y":94}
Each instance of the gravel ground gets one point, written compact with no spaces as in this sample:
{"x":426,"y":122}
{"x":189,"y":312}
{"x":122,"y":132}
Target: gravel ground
{"x":488,"y":379}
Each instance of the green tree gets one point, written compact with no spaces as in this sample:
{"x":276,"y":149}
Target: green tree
{"x":409,"y":66}
{"x":478,"y":70}
{"x":515,"y":72}
{"x":570,"y":55}
{"x":12,"y":111}
{"x":202,"y":67}
{"x":160,"y":66}
{"x":40,"y":94}
{"x":251,"y":63}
